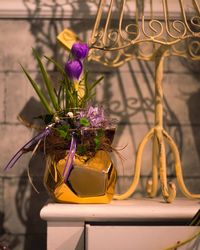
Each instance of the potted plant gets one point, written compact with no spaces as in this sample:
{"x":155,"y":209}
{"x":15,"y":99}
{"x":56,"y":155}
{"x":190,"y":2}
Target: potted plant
{"x":77,"y":136}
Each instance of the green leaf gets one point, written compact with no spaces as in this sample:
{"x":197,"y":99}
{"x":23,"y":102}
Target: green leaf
{"x":72,"y":99}
{"x":64,"y":127}
{"x":81,"y":149}
{"x":97,"y":143}
{"x":100,"y":133}
{"x":63,"y":134}
{"x":88,"y":90}
{"x":96,"y":82}
{"x":84,"y":122}
{"x":47,"y":82}
{"x":63,"y":131}
{"x":86,"y":84}
{"x":98,"y":138}
{"x":88,"y":98}
{"x":58,"y":66}
{"x":67,"y":82}
{"x":58,"y":94}
{"x":38,"y":91}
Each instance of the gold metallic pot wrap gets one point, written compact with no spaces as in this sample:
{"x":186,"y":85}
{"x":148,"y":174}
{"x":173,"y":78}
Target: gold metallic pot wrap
{"x":91,"y":180}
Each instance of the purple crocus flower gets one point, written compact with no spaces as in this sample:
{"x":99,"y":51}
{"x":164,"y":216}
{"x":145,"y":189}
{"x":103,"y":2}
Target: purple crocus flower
{"x":73,"y":69}
{"x":79,"y":50}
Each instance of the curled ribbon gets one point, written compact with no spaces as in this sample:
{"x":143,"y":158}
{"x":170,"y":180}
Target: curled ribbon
{"x":27,"y":146}
{"x":70,"y":158}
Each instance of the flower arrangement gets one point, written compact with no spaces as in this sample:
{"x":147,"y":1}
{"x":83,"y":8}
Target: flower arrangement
{"x":74,"y":92}
{"x":77,"y":135}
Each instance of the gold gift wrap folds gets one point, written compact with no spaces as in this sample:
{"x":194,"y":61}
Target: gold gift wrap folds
{"x":91,"y":180}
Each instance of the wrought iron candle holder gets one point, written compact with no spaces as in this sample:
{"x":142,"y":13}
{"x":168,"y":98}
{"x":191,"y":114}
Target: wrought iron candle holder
{"x":125,"y":30}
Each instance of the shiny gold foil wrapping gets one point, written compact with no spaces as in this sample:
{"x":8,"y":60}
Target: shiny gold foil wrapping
{"x":91,"y":180}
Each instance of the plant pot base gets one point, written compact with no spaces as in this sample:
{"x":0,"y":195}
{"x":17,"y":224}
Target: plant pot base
{"x":90,"y":181}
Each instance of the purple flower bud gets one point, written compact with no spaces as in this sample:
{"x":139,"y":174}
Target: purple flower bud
{"x":79,"y":50}
{"x":73,"y":69}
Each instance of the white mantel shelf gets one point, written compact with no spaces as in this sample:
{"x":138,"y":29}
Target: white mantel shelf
{"x":103,"y":226}
{"x":134,"y":209}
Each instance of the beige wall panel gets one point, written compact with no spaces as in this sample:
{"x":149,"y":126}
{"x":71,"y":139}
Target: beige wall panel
{"x":12,"y":139}
{"x":2,"y":97}
{"x":18,"y":93}
{"x":15,"y":45}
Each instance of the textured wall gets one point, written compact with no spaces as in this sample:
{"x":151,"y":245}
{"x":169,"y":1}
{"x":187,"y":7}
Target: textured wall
{"x":128,"y":94}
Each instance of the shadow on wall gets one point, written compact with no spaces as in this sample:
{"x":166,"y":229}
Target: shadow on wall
{"x":194,"y":107}
{"x":193,"y":103}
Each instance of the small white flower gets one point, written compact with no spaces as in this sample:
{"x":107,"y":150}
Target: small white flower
{"x":70,"y":114}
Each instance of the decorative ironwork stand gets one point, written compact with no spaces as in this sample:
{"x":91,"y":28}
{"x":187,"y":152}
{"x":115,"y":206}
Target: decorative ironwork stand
{"x":123,"y":32}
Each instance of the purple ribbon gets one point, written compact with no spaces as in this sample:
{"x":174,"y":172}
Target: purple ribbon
{"x":27,"y":146}
{"x":70,"y":158}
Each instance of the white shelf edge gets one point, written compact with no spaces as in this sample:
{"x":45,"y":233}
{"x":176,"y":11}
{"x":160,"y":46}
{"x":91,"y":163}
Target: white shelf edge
{"x":137,"y":210}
